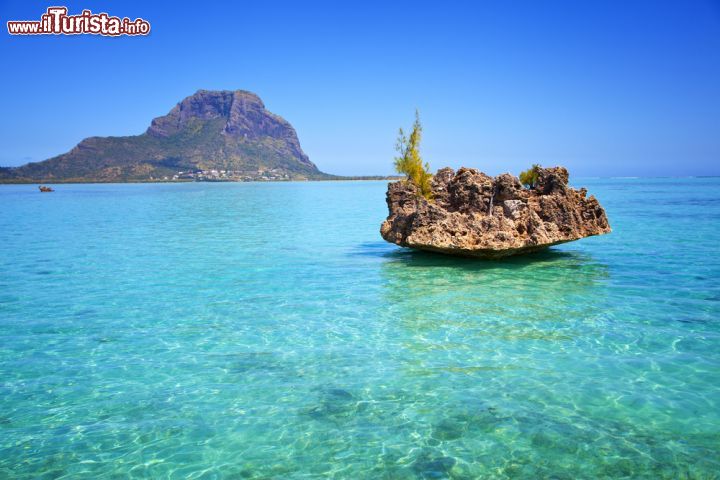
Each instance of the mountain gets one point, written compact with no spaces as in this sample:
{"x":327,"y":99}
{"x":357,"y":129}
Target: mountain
{"x":211,"y":135}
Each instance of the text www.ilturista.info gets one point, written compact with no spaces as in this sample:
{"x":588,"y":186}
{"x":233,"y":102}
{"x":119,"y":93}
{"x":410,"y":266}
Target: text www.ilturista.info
{"x":56,"y":21}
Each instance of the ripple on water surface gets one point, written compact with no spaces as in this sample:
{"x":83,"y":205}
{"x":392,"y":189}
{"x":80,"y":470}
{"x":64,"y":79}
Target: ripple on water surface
{"x":265,"y":331}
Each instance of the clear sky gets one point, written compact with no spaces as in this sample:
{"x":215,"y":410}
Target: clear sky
{"x":608,"y":88}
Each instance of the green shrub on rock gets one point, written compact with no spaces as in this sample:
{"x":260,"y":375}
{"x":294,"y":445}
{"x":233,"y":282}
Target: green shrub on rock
{"x":410,"y":163}
{"x":529,"y":177}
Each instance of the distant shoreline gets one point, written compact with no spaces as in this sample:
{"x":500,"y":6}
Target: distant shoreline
{"x":329,"y":179}
{"x":100,"y":182}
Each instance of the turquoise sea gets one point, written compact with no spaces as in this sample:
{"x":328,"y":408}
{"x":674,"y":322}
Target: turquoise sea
{"x":266,"y":331}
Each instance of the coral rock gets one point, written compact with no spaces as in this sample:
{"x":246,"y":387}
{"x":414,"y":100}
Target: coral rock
{"x":473,"y":214}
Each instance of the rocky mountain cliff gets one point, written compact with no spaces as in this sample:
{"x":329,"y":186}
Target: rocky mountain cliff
{"x":211,"y":135}
{"x":473,"y":214}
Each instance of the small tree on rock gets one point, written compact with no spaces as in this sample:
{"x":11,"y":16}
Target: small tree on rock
{"x":410,"y":163}
{"x":529,"y":177}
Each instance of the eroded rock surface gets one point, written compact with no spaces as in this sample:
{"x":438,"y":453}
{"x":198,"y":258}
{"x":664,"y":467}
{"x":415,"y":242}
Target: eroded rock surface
{"x":473,"y":214}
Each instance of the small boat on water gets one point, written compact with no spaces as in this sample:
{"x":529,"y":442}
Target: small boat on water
{"x":45,"y":189}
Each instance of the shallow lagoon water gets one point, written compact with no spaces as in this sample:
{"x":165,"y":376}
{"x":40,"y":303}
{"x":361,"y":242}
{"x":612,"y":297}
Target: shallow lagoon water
{"x":267,"y":331}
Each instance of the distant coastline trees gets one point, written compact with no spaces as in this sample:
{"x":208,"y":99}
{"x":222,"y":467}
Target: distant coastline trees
{"x":410,"y":163}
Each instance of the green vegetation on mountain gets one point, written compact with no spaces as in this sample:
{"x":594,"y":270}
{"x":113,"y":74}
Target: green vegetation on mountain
{"x":228,"y":131}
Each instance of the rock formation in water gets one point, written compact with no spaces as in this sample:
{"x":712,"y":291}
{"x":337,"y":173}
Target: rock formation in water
{"x":209,"y":135}
{"x":473,"y":214}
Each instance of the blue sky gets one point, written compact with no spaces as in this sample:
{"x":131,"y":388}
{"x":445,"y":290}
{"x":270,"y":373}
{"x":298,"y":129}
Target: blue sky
{"x":608,"y":88}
